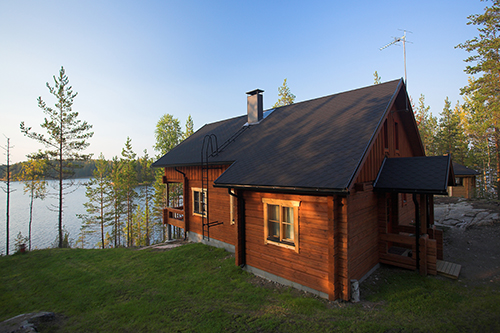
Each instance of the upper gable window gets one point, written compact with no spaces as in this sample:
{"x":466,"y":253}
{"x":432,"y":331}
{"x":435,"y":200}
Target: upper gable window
{"x":281,"y":225}
{"x":396,"y":135}
{"x":386,"y":135}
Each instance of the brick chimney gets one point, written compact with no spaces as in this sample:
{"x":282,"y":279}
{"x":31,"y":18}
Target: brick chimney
{"x":254,"y":106}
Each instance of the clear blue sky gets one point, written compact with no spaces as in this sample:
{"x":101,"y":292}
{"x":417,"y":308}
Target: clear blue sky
{"x":133,"y":61}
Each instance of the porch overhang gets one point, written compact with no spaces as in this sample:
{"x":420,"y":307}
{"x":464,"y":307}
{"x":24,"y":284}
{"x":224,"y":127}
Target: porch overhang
{"x":419,"y":175}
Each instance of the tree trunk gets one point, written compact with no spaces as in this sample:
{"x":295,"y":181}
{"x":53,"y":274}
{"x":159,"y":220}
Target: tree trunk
{"x":497,"y":147}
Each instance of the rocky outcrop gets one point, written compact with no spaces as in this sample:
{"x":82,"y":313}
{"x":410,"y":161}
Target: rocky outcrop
{"x":462,"y":214}
{"x":25,"y":323}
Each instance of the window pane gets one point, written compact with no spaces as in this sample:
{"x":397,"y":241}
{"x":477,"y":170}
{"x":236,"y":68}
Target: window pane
{"x":287,"y":215}
{"x":274,"y":229}
{"x":287,"y":232}
{"x":273,"y":212}
{"x":196,"y":202}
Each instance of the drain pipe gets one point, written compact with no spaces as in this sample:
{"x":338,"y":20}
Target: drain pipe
{"x":417,"y":229}
{"x":240,"y":237}
{"x":183,"y":199}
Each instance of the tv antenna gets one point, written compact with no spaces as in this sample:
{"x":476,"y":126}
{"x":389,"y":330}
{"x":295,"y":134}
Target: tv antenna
{"x":397,"y":40}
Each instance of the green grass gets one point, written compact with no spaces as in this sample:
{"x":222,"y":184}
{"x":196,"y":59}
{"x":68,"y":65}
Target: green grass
{"x":198,"y":288}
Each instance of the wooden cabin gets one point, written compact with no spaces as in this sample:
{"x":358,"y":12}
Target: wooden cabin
{"x":313,"y":194}
{"x":465,"y":182}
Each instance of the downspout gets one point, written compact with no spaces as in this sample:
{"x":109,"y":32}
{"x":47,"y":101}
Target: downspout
{"x":417,"y":229}
{"x":240,"y":237}
{"x":183,"y":200}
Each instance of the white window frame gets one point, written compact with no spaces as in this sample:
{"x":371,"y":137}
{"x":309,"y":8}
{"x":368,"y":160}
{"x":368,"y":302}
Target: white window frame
{"x":282,"y":203}
{"x":199,"y":190}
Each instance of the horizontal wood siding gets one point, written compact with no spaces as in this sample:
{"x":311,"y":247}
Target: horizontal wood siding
{"x":362,"y":212}
{"x":309,"y":266}
{"x":219,"y":202}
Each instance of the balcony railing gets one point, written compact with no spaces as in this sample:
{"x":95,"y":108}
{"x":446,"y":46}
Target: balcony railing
{"x":174,"y":216}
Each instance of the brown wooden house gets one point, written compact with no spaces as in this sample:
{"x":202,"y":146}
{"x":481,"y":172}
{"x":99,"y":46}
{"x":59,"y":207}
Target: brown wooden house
{"x":314,"y":194}
{"x":465,"y":182}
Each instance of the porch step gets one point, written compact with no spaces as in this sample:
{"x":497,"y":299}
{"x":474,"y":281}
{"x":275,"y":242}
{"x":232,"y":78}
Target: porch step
{"x":448,"y":269}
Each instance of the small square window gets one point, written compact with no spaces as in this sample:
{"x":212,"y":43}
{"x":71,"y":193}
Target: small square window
{"x":199,"y":201}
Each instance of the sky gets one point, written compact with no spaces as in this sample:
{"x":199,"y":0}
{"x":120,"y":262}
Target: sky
{"x":133,"y":61}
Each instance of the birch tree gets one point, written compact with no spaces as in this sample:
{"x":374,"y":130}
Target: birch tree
{"x":35,"y":185}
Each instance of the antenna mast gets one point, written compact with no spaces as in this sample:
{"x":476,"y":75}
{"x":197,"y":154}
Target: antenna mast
{"x":396,"y":40}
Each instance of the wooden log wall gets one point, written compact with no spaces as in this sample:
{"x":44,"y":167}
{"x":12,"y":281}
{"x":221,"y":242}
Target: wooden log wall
{"x":364,"y":225}
{"x":219,"y":202}
{"x":309,"y":266}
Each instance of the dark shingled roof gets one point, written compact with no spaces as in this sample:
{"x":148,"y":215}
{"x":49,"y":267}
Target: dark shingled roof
{"x":315,"y":145}
{"x":421,"y":174}
{"x":462,"y":170}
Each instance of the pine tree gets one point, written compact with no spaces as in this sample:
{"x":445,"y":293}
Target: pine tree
{"x":285,"y":96}
{"x":128,"y":183}
{"x":485,"y":61}
{"x":147,"y":192}
{"x":67,"y":136}
{"x":450,"y":137}
{"x":189,"y":128}
{"x":427,"y":126}
{"x":119,"y":204}
{"x":99,"y":196}
{"x":376,"y":78}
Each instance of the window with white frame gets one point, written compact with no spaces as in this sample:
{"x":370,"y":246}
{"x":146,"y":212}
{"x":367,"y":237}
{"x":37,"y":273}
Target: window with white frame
{"x":199,"y":201}
{"x":281,"y":223}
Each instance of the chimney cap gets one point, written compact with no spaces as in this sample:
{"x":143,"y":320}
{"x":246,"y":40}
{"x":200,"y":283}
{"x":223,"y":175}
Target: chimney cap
{"x":255,"y":92}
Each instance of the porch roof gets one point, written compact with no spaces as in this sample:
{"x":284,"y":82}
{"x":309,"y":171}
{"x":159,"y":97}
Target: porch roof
{"x":422,"y":175}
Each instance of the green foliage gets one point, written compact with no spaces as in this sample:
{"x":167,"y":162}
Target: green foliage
{"x":34,"y":185}
{"x":285,"y":96}
{"x":127,"y":182}
{"x":119,"y":202}
{"x":20,"y":241}
{"x":376,"y":78}
{"x":66,"y":136}
{"x":427,"y":126}
{"x":168,"y":134}
{"x":197,"y":288}
{"x":189,"y":128}
{"x":485,"y":61}
{"x":450,"y":135}
{"x":99,"y":198}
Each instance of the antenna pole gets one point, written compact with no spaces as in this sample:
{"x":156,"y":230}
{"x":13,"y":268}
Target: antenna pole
{"x":400,"y":39}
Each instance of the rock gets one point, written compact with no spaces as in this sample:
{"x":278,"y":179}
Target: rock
{"x":25,"y":323}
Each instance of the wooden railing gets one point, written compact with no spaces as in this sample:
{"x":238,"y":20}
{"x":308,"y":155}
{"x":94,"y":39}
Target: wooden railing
{"x":403,"y":241}
{"x":174,"y":216}
{"x":427,"y":255}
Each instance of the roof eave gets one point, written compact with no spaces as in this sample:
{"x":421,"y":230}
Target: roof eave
{"x":291,"y":189}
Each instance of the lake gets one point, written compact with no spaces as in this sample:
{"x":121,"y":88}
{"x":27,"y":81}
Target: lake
{"x":44,"y":229}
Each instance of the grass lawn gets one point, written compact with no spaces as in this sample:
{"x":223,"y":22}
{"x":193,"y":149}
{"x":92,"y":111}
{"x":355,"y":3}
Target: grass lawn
{"x":198,"y":288}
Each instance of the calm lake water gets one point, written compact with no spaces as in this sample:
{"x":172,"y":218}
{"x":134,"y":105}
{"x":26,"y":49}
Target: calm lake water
{"x":44,"y":228}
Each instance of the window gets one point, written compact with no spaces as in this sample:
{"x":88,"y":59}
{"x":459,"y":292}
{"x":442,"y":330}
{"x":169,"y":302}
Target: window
{"x":199,"y":201}
{"x":404,"y":199}
{"x":386,"y":136}
{"x":459,"y":181}
{"x":281,"y":223}
{"x":396,"y":136}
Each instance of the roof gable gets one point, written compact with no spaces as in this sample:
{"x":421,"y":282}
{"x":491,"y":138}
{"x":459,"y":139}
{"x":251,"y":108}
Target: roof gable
{"x":314,"y":145}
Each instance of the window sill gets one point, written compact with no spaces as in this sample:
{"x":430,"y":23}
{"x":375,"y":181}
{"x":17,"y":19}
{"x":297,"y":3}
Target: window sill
{"x":198,"y":214}
{"x":281,"y":244}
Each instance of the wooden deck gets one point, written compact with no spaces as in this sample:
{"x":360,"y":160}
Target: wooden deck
{"x":448,"y":269}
